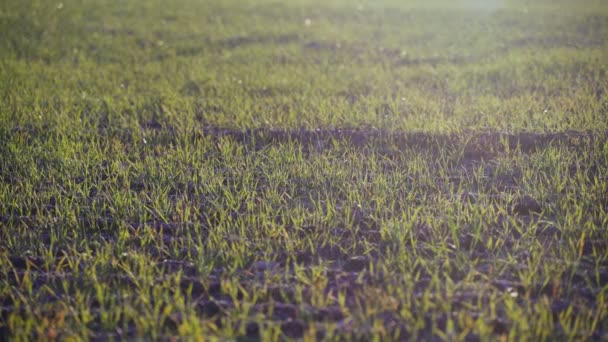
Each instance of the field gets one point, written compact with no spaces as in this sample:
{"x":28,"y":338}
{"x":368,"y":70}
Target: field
{"x":315,"y":170}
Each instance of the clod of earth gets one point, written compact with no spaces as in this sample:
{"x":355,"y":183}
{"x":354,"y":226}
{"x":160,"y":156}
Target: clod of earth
{"x":293,"y":328}
{"x":356,"y":264}
{"x":527,"y":205}
{"x":208,"y":308}
{"x":252,"y":330}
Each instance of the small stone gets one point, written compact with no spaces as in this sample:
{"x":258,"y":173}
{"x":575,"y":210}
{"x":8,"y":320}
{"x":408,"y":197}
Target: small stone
{"x":356,"y":264}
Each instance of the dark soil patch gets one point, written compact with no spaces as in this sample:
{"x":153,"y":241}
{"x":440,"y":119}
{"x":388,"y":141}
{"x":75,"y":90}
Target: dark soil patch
{"x":356,"y":264}
{"x":477,"y":145}
{"x":293,"y":329}
{"x":526,"y":206}
{"x":242,"y":41}
{"x":252,"y":330}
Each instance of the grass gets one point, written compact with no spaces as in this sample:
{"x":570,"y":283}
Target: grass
{"x":313,"y":170}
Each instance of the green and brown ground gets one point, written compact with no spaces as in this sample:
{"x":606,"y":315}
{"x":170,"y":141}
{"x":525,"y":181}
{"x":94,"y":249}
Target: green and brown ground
{"x":317,"y":170}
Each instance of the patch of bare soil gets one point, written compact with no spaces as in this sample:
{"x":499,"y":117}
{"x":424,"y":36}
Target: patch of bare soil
{"x":476,"y":144}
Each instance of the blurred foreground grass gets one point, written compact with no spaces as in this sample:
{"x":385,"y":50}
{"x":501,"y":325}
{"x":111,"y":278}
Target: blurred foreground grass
{"x":432,"y":66}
